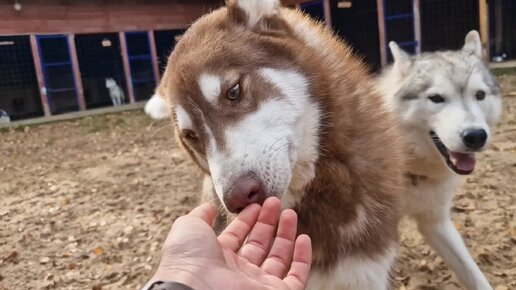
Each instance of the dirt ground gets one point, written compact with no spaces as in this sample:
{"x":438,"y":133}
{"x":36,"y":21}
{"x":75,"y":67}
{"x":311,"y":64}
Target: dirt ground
{"x":86,"y":204}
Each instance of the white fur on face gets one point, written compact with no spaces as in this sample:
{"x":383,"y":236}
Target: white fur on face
{"x":210,"y":87}
{"x":271,"y":142}
{"x":462,"y":111}
{"x":258,"y":9}
{"x":491,"y":107}
{"x":184,"y":122}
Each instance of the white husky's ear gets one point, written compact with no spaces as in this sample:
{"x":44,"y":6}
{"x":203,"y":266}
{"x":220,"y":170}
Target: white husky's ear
{"x":259,"y":15}
{"x":402,"y":60}
{"x":472,"y":44}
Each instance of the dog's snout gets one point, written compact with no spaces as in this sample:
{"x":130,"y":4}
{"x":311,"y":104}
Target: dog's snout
{"x":245,"y":191}
{"x":474,"y":138}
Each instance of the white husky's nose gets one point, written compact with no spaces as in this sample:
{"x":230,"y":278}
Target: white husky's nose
{"x":474,"y":138}
{"x":246,"y":190}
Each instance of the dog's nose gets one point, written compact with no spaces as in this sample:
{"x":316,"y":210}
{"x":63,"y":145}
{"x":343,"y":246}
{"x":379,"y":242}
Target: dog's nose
{"x":245,"y":191}
{"x":474,"y":138}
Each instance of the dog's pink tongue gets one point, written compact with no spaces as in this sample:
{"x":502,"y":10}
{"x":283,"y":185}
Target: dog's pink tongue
{"x":463,"y":161}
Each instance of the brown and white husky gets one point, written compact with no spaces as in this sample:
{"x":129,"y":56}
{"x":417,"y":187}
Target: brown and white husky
{"x":269,"y":103}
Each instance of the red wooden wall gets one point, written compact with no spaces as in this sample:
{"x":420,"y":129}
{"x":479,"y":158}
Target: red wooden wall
{"x":79,"y":16}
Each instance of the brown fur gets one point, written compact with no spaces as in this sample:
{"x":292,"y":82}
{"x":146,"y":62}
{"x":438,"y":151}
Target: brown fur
{"x":361,"y":162}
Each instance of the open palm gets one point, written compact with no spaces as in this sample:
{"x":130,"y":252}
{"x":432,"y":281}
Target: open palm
{"x":249,"y":254}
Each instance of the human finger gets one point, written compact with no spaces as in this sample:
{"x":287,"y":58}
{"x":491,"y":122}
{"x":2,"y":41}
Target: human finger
{"x":236,"y":232}
{"x":297,"y":277}
{"x":280,"y":256}
{"x":262,"y":234}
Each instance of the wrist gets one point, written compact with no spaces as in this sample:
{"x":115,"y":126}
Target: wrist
{"x":160,"y":285}
{"x":186,"y":275}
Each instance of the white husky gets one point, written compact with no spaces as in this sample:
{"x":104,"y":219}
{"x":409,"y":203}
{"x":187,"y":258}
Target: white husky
{"x":115,"y":92}
{"x":446,"y":103}
{"x":4,"y":117}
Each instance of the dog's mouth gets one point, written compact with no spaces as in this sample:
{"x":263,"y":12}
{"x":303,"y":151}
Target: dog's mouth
{"x":460,"y":163}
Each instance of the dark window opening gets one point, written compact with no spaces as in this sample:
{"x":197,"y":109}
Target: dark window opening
{"x":140,"y":61}
{"x":58,"y":73}
{"x":165,"y":42}
{"x":19,"y":96}
{"x":102,"y":68}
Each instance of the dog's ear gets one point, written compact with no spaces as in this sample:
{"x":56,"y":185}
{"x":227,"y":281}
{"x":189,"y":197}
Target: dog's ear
{"x":262,"y":16}
{"x":472,"y":44}
{"x":402,"y":60}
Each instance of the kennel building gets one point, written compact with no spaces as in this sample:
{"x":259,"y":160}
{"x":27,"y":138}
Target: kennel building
{"x":420,"y":25}
{"x":56,"y":55}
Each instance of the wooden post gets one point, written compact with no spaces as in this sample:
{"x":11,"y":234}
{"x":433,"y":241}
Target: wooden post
{"x":39,"y":75}
{"x":498,"y":14}
{"x":327,"y":13}
{"x":76,"y":72}
{"x":381,"y":32}
{"x":154,"y":56}
{"x":127,"y":66}
{"x":417,"y":24}
{"x":484,"y":24}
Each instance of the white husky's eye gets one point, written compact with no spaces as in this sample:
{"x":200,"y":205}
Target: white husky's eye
{"x":234,"y":92}
{"x":436,"y":98}
{"x":480,"y":95}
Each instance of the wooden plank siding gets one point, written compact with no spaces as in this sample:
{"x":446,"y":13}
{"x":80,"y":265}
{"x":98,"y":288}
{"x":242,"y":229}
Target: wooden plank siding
{"x":43,"y":17}
{"x":94,"y":16}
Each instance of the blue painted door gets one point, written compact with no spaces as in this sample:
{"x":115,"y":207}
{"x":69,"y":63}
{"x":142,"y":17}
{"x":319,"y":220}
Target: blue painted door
{"x":400,"y":24}
{"x":58,"y":73}
{"x":140,"y":62}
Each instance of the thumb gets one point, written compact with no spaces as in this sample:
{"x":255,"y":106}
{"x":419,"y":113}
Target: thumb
{"x":205,"y":212}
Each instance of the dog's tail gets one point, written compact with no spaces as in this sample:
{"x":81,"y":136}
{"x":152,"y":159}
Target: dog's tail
{"x":157,"y":108}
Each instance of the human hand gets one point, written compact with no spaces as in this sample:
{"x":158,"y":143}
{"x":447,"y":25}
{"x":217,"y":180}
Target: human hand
{"x":195,"y":256}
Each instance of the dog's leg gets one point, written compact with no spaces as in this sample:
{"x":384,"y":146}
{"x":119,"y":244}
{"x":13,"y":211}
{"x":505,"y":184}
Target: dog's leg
{"x":442,"y":235}
{"x":122,"y":96}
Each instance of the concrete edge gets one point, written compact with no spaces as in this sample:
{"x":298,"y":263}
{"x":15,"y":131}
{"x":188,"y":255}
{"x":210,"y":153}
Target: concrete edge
{"x":74,"y":115}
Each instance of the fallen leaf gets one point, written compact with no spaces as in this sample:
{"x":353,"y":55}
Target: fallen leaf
{"x":72,"y":266}
{"x":12,"y":257}
{"x":99,"y":251}
{"x":464,"y":208}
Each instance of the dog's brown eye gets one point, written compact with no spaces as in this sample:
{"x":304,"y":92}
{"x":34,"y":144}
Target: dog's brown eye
{"x":480,"y":95}
{"x":190,"y":135}
{"x":436,"y":98}
{"x":234,"y":92}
